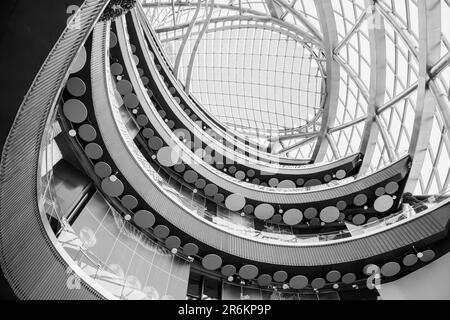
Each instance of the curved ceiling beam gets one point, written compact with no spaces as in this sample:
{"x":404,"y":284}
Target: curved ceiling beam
{"x":377,"y":40}
{"x":303,"y":19}
{"x":176,"y":67}
{"x":194,"y":50}
{"x":253,"y":15}
{"x":429,"y":13}
{"x":330,"y":35}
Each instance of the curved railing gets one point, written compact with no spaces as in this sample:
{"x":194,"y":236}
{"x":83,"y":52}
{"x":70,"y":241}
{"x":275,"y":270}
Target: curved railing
{"x":150,"y":188}
{"x":30,"y":257}
{"x":234,"y":185}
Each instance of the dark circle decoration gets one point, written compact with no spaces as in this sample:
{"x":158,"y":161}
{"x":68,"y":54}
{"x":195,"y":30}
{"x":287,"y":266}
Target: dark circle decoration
{"x":410,"y":260}
{"x":273,"y":182}
{"x":102,"y":169}
{"x":173,"y":242}
{"x":161,"y":231}
{"x":190,"y":249}
{"x":327,"y":178}
{"x":124,"y":87}
{"x":360,"y":200}
{"x":240,"y":175}
{"x":390,"y":269}
{"x":162,"y":113}
{"x":219,"y":198}
{"x":235,"y":202}
{"x":292,"y":217}
{"x":190,"y":176}
{"x":310,"y":213}
{"x":131,"y":101}
{"x":129,"y":202}
{"x":380,"y":191}
{"x":372,"y":220}
{"x":349,"y":278}
{"x":155,"y":143}
{"x":232,"y":170}
{"x":359,"y":219}
{"x":264,"y":280}
{"x":248,"y":209}
{"x":318,"y":283}
{"x":211,"y":262}
{"x":315,"y":222}
{"x":248,"y":272}
{"x":180,"y":167}
{"x":298,"y":282}
{"x":112,"y":187}
{"x":87,"y":132}
{"x":280,"y":276}
{"x":277,"y":218}
{"x":116,"y":69}
{"x":200,"y":184}
{"x":228,"y":270}
{"x":333,"y":276}
{"x":427,"y":255}
{"x":145,"y":80}
{"x":76,"y":87}
{"x":264,"y":211}
{"x":93,"y":151}
{"x":341,"y":205}
{"x":75,"y":111}
{"x":136,"y":59}
{"x":251,"y":173}
{"x":392,"y":187}
{"x":211,"y":190}
{"x":300,"y":182}
{"x":142,"y":120}
{"x":148,"y":133}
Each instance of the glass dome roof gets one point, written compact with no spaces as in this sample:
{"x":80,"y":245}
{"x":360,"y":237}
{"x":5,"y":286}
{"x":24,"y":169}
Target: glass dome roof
{"x":320,"y":80}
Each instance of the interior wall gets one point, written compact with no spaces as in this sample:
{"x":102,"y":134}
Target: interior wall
{"x":431,"y":282}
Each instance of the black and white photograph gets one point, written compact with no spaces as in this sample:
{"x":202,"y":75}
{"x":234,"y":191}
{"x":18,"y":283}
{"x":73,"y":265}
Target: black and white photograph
{"x":240,"y":158}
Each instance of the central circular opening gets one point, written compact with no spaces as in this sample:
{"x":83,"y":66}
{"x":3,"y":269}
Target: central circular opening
{"x":257,"y":78}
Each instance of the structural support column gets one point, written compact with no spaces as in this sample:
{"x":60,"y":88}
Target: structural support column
{"x":429,"y":53}
{"x":330,"y":40}
{"x":377,"y":38}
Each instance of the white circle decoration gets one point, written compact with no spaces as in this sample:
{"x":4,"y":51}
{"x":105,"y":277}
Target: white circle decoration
{"x":264,"y":211}
{"x":287,"y":184}
{"x":383,"y":203}
{"x":341,"y":174}
{"x":235,"y":202}
{"x":329,"y":214}
{"x":79,"y":61}
{"x":168,"y":156}
{"x":292,"y":217}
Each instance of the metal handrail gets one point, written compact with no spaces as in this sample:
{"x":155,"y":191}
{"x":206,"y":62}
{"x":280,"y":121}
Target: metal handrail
{"x":22,"y":223}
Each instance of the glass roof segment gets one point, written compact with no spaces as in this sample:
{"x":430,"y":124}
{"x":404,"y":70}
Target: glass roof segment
{"x":256,"y":104}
